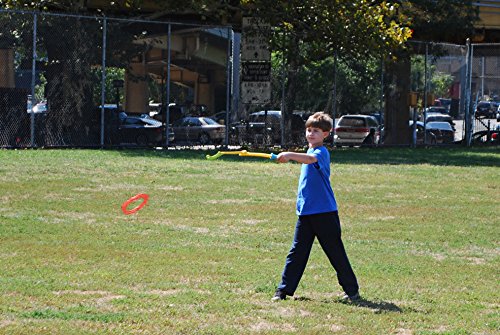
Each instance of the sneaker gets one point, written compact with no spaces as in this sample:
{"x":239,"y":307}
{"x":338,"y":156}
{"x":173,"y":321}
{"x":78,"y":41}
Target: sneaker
{"x":279,"y":295}
{"x":351,"y":298}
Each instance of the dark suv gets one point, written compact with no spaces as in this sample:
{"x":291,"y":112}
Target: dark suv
{"x":483,"y":109}
{"x":265,"y":128}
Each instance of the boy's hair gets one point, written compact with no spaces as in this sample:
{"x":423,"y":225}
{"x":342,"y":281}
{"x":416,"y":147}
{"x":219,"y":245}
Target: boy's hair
{"x":320,"y":120}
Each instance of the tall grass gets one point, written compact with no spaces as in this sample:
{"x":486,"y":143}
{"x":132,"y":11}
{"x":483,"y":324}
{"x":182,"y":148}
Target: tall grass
{"x":204,"y":256}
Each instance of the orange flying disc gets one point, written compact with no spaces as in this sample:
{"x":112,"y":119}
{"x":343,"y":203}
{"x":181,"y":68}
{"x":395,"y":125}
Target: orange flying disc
{"x":139,"y":196}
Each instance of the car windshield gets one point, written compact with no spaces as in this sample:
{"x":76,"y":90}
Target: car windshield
{"x":439,"y":125}
{"x":351,"y":122}
{"x":438,"y":118}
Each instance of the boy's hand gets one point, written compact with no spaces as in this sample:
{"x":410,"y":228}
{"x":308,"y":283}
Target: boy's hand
{"x":283,"y":157}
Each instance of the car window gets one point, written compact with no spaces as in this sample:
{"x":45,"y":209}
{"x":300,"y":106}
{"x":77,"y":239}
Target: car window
{"x":132,"y":120}
{"x":372,"y":122}
{"x":178,"y":123}
{"x":351,"y":122}
{"x":186,"y":122}
{"x":194,"y":122}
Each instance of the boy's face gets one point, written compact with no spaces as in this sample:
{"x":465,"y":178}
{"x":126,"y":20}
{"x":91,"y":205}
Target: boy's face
{"x":315,"y":136}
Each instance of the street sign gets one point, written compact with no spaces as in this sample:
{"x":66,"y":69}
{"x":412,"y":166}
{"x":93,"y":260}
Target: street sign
{"x":254,"y":92}
{"x":256,"y":71}
{"x":255,"y":40}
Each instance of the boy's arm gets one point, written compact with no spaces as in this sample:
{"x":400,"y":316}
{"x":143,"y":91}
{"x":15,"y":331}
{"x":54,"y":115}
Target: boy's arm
{"x":284,"y":157}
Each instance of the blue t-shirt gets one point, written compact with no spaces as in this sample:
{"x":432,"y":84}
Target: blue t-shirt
{"x":315,"y":194}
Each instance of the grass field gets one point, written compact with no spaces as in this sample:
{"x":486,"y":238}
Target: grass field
{"x":421,"y":228}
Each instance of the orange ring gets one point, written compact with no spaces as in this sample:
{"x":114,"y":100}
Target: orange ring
{"x":142,"y":196}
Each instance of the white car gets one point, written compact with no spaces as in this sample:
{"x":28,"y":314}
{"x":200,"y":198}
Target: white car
{"x":40,"y":107}
{"x":353,"y":130}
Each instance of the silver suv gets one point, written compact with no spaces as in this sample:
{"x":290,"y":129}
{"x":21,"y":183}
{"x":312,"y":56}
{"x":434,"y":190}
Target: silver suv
{"x":354,"y":130}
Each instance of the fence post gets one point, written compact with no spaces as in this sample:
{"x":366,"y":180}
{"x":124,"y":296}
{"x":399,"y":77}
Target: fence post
{"x":468,"y":119}
{"x":33,"y":78}
{"x":334,"y":93}
{"x":282,"y":119}
{"x":167,"y":93}
{"x":482,"y":76}
{"x":382,"y":82}
{"x":426,"y":86}
{"x":228,"y":81}
{"x":103,"y":78}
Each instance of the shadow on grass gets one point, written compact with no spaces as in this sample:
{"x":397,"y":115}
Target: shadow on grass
{"x":377,"y":307}
{"x":441,"y":156}
{"x":445,"y":156}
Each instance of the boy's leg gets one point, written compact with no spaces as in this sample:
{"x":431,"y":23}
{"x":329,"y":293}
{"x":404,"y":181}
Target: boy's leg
{"x":297,"y":257}
{"x":327,"y":229}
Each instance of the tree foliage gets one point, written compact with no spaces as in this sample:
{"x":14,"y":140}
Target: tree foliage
{"x":441,"y":20}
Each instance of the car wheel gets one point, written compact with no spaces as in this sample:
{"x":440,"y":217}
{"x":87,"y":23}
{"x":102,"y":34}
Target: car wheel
{"x":204,"y":139}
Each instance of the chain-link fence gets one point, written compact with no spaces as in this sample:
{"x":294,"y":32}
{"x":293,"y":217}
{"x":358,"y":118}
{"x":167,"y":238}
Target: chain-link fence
{"x":79,"y":81}
{"x":438,"y":79}
{"x":484,"y":90}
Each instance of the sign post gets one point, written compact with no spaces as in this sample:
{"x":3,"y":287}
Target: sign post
{"x":255,"y":62}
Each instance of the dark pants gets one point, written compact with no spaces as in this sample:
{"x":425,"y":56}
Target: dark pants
{"x":325,"y":226}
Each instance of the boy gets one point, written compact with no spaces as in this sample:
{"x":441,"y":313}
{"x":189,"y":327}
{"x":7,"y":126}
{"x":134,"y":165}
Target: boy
{"x":317,"y":214}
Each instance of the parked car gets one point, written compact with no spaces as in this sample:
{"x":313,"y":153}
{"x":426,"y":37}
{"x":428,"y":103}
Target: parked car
{"x":262,"y":124}
{"x":487,"y":137}
{"x":437,"y":109}
{"x":352,"y":130}
{"x":439,"y":117}
{"x":495,"y":136}
{"x":265,"y":128}
{"x":422,"y":138}
{"x":199,"y":129}
{"x":219,"y":117}
{"x":443,"y":102}
{"x":379,"y":117}
{"x":484,"y":109}
{"x":159,"y":113}
{"x":40,"y":107}
{"x":142,"y":130}
{"x":443,"y":131}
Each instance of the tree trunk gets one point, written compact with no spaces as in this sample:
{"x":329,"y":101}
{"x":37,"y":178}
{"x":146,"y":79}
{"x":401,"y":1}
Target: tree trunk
{"x":71,"y":117}
{"x":397,"y":110}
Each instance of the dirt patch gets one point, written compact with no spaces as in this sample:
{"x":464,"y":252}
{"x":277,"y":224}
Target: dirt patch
{"x":228,"y":201}
{"x":6,"y":323}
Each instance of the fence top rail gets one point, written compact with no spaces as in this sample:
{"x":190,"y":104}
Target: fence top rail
{"x":486,"y":44}
{"x":437,"y":43}
{"x":112,"y":18}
